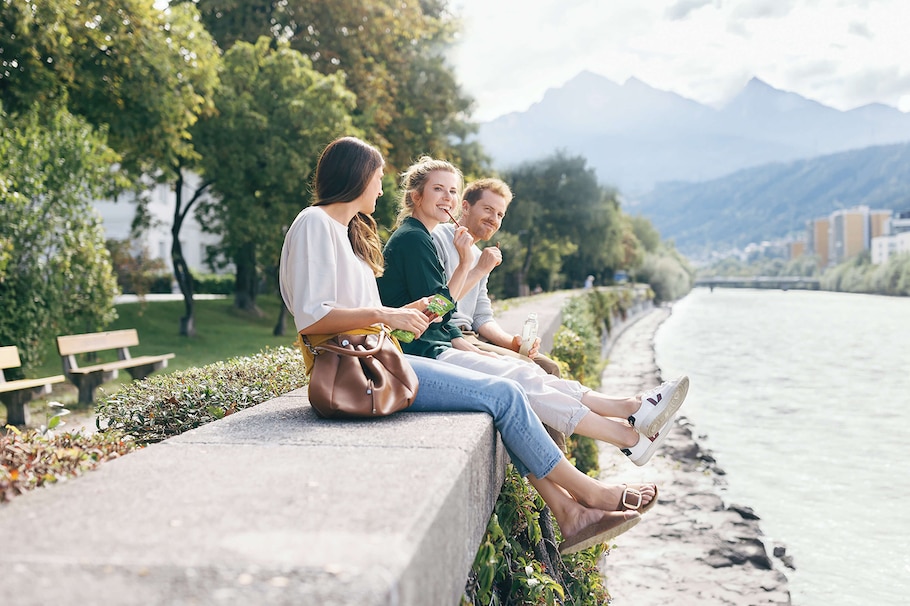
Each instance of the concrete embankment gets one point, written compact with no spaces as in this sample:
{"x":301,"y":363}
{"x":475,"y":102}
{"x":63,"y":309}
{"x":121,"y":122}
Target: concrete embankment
{"x":693,"y":547}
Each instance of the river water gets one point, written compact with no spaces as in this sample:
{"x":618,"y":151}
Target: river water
{"x":804,"y":399}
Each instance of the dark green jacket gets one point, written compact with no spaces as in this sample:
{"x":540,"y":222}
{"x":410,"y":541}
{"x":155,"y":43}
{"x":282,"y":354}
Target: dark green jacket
{"x":412,"y":271}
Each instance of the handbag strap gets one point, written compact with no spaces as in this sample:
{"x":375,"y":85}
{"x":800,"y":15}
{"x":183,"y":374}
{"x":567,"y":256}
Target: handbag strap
{"x":331,"y":347}
{"x":309,"y":345}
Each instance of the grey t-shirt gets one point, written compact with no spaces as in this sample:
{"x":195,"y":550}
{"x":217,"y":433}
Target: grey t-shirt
{"x":474,"y":308}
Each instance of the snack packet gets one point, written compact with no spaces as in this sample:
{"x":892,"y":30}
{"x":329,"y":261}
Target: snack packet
{"x":437,"y":306}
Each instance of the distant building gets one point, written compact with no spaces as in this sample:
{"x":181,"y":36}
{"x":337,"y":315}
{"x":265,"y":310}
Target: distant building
{"x":156,"y":240}
{"x":817,"y":241}
{"x":894,"y":240}
{"x":851,"y":230}
{"x":797,"y":248}
{"x":878,"y":222}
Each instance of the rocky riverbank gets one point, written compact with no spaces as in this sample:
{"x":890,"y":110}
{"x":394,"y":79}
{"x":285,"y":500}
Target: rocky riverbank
{"x":693,"y":547}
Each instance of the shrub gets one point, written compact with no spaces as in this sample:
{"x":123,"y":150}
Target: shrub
{"x":586,"y":318}
{"x":570,"y":349}
{"x":136,"y":273}
{"x":32,"y":459}
{"x":858,"y":274}
{"x":584,"y":454}
{"x":162,"y":283}
{"x":162,"y":406}
{"x":214,"y":284}
{"x":668,"y":274}
{"x":518,"y":561}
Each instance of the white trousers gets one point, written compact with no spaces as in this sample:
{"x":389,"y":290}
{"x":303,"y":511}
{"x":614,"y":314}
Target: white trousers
{"x":557,"y":402}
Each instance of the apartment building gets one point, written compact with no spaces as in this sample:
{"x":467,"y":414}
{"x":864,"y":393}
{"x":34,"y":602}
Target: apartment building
{"x":817,"y":239}
{"x":894,"y":239}
{"x":851,"y":231}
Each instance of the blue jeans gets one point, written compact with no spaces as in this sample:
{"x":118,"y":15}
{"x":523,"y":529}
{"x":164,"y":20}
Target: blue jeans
{"x":449,"y":388}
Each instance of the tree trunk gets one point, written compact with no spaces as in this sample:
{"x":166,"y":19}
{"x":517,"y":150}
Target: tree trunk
{"x":181,"y":269}
{"x":280,"y":326}
{"x":247,"y":283}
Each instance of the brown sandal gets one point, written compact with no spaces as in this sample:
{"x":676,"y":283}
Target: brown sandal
{"x":611,"y":526}
{"x":631,"y":498}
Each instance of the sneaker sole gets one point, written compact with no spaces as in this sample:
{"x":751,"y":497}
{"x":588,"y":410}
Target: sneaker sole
{"x":655,"y":445}
{"x":667,"y":413}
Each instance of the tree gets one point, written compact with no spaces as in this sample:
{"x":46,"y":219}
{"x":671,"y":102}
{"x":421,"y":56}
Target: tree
{"x":274,"y":116}
{"x":645,"y":232}
{"x":56,"y":274}
{"x":144,"y":74}
{"x":560,"y":209}
{"x":392,"y":54}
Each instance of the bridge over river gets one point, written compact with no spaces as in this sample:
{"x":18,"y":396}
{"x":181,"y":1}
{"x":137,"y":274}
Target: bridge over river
{"x":767,"y":282}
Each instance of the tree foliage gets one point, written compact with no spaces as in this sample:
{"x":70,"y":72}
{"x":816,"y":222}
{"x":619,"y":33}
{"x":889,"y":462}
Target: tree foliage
{"x":274,"y":116}
{"x":56,"y":274}
{"x":145,"y":73}
{"x":668,"y":273}
{"x":568,"y":225}
{"x":858,"y":274}
{"x":392,"y":57}
{"x":645,"y":232}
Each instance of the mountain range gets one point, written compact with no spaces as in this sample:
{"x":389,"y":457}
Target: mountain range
{"x":775,"y":200}
{"x":656,"y":146}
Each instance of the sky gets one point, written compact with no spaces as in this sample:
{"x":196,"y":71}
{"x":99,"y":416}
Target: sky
{"x":842,"y":53}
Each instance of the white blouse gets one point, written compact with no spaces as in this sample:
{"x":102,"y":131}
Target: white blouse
{"x":319,"y":270}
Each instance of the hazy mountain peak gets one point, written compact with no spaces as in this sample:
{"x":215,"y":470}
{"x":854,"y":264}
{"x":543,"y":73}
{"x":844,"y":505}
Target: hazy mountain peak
{"x":586,"y":82}
{"x":756,"y":84}
{"x":633,"y":82}
{"x":757,"y":96}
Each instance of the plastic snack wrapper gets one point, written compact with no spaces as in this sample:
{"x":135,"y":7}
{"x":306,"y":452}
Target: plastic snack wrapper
{"x":438,"y":306}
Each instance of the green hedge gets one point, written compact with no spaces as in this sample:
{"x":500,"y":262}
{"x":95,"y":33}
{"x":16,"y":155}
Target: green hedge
{"x":162,"y":406}
{"x":214,"y":284}
{"x":203,"y":284}
{"x":518,"y":560}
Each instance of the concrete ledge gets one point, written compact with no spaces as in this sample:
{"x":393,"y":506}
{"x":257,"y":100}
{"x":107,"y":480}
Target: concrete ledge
{"x":270,"y":505}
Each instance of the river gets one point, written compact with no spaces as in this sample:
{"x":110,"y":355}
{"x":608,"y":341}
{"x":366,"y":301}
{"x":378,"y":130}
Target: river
{"x":804,"y":399}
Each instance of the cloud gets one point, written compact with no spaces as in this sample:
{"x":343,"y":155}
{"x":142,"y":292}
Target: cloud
{"x":816,"y":69}
{"x":860,"y":29}
{"x":681,"y":9}
{"x":762,"y":9}
{"x":887,"y":84}
{"x":827,"y":50}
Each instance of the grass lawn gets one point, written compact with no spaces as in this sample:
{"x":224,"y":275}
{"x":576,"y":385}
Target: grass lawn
{"x":223,"y":333}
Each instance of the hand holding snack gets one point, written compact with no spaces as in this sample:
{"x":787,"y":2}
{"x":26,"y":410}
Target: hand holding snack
{"x":490,"y":257}
{"x":436,"y":306}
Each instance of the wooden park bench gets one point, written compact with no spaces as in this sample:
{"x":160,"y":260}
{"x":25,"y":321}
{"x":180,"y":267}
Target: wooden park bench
{"x":87,"y":378}
{"x":15,"y":395}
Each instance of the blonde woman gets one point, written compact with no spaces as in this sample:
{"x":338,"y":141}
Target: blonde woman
{"x":413,"y":269}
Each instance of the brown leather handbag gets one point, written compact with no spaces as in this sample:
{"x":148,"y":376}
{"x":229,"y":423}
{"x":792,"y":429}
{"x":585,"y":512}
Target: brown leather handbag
{"x":360,"y":376}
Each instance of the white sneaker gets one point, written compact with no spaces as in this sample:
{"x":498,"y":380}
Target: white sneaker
{"x":659,"y":405}
{"x":642,"y":452}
